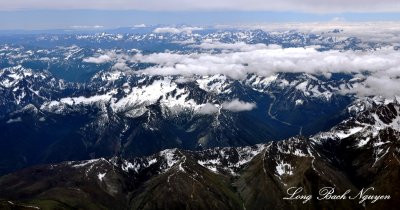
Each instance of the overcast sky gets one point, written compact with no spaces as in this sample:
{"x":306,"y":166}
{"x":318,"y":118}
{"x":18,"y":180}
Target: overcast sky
{"x":313,"y":6}
{"x":41,"y":14}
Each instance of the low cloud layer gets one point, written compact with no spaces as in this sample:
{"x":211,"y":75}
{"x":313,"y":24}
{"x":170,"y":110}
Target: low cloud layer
{"x":266,"y":61}
{"x":314,"y":6}
{"x":238,"y":60}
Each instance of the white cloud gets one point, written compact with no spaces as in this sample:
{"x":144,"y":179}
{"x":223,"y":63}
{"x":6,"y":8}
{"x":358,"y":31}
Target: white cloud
{"x":234,"y":106}
{"x":238,"y":106}
{"x":238,"y":60}
{"x":140,"y":26}
{"x":121,"y":66}
{"x":269,"y":61}
{"x":315,"y":6}
{"x":111,"y":56}
{"x":19,"y":119}
{"x":174,"y":30}
{"x":99,"y":60}
{"x":378,"y":84}
{"x":382,"y":65}
{"x":183,"y":80}
{"x":87,"y":27}
{"x":207,"y":109}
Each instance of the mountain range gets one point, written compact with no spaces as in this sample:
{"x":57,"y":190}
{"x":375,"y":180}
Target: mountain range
{"x":252,"y":177}
{"x":85,"y":126}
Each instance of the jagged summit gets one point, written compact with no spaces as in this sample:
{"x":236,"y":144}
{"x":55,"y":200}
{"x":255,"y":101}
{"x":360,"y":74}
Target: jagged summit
{"x":132,"y":114}
{"x":346,"y":157}
{"x":212,"y":119}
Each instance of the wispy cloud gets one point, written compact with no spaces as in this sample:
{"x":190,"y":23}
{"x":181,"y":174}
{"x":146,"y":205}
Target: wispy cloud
{"x":87,"y":27}
{"x":19,"y":119}
{"x":140,"y":26}
{"x":174,"y":30}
